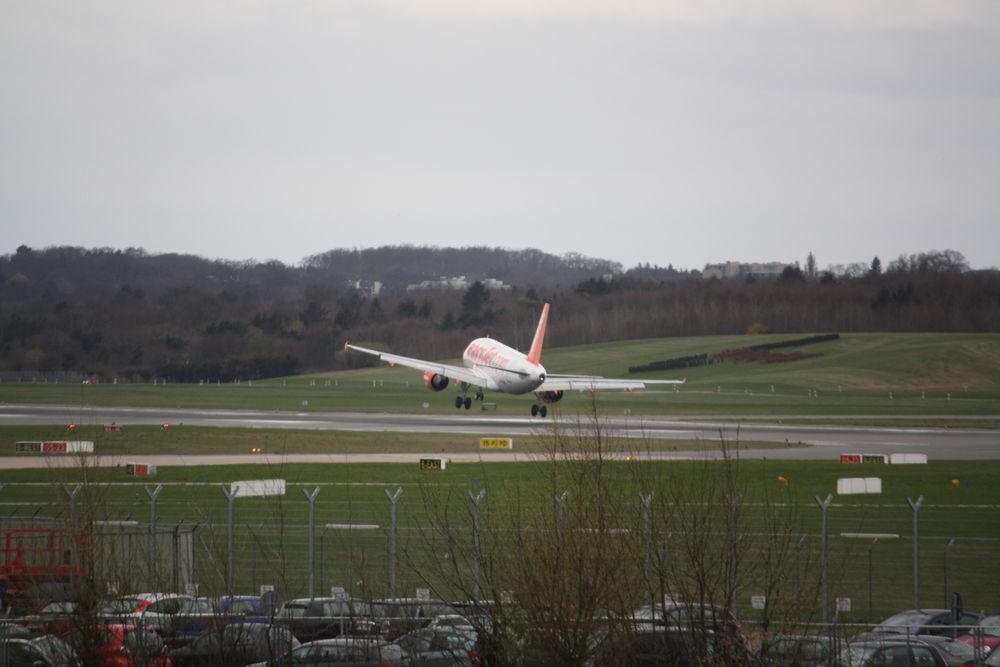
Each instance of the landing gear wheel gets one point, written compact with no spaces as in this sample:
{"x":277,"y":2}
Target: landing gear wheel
{"x":458,"y":401}
{"x":468,"y":402}
{"x":543,"y":411}
{"x":534,"y":410}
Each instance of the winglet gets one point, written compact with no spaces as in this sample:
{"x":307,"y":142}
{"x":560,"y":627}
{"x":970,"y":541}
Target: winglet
{"x":535,"y":354}
{"x":347,"y":345}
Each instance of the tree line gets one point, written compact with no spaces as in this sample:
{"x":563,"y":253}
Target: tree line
{"x":132,"y":315}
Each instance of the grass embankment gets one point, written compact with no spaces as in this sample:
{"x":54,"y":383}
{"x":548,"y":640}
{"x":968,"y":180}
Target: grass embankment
{"x":901,"y":375}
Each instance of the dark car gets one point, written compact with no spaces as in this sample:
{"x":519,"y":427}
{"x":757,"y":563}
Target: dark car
{"x":236,"y":645}
{"x":397,"y":616}
{"x":687,"y":615}
{"x":44,"y":651}
{"x":892,"y":652}
{"x":342,"y":652}
{"x":796,"y":651}
{"x":438,"y":647}
{"x":325,"y":618}
{"x":953,"y":652}
{"x":670,"y":648}
{"x":20,"y":652}
{"x":926,"y":622}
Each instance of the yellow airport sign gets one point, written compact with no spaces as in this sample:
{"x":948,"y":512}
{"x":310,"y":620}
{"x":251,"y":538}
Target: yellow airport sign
{"x":496,"y":443}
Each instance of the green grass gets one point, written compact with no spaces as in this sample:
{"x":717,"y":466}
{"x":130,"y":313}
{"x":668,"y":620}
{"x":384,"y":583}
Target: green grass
{"x":903,"y":375}
{"x":273,"y":531}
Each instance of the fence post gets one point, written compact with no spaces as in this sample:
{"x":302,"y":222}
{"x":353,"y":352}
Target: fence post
{"x":871,"y":578}
{"x":560,"y":499}
{"x":476,"y":500}
{"x":947,"y":550}
{"x":153,"y":495}
{"x":394,"y":500}
{"x":72,"y":502}
{"x":231,"y":497}
{"x":823,"y":506}
{"x":915,"y":506}
{"x":312,"y":539}
{"x":647,"y":531}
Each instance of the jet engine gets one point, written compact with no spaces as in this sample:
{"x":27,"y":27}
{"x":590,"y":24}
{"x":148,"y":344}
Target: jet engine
{"x":550,"y":396}
{"x":435,"y":382}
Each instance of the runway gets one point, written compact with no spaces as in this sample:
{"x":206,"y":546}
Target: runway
{"x":825,"y":442}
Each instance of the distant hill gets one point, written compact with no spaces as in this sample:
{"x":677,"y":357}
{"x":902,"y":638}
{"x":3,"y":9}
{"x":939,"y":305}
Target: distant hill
{"x":73,"y":312}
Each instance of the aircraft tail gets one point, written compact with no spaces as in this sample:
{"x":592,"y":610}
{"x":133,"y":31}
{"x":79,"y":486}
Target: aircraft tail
{"x":535,"y":354}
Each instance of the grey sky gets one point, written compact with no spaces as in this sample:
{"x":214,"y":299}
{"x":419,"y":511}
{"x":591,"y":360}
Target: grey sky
{"x":642,"y":131}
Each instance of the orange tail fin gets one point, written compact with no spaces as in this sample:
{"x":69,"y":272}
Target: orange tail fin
{"x":535,"y":354}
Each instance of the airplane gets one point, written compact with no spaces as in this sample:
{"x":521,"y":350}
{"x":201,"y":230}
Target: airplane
{"x":491,"y":365}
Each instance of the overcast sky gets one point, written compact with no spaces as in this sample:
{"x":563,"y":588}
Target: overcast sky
{"x":660,"y":131}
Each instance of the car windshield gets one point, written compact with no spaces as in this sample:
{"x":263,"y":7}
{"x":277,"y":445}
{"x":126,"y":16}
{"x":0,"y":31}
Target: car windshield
{"x":801,"y":648}
{"x":293,"y":610}
{"x":345,"y":608}
{"x":121,"y":606}
{"x":199,"y":606}
{"x":396,"y":610}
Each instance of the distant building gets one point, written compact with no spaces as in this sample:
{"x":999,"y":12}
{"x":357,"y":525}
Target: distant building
{"x":445,"y":283}
{"x":370,"y":288}
{"x":744,"y":270}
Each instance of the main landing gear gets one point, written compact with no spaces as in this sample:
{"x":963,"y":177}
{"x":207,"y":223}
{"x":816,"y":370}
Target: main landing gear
{"x":464,"y":400}
{"x":539,"y":411}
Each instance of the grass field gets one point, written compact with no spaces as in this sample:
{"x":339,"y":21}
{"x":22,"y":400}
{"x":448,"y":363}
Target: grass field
{"x":271,"y":534}
{"x":907,"y":376}
{"x":925,"y":379}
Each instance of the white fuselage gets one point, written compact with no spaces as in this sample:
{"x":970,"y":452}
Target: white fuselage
{"x":510,"y":369}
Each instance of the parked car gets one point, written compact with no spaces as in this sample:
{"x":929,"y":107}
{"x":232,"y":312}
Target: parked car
{"x":54,"y":617}
{"x":196,"y":616}
{"x":342,"y":652}
{"x":21,"y":652}
{"x":985,"y":634}
{"x":397,"y":616}
{"x":796,"y":651}
{"x":325,"y":618}
{"x":235,"y":645}
{"x":888,"y":651}
{"x":925,"y":622}
{"x":441,"y":646}
{"x":687,"y":615}
{"x":119,"y":645}
{"x":248,"y":607}
{"x":160,"y":612}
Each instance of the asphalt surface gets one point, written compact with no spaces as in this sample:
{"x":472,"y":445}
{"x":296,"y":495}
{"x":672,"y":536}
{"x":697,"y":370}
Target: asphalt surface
{"x":825,"y":442}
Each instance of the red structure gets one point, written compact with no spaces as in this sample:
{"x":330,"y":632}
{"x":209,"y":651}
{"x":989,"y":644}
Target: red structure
{"x":32,"y":555}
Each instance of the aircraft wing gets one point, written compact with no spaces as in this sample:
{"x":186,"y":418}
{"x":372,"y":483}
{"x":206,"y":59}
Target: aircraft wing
{"x":459,"y":373}
{"x":596,"y":383}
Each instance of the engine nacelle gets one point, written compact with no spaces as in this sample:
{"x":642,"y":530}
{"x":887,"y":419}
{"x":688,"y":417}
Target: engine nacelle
{"x":550,"y":396}
{"x":435,"y":382}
